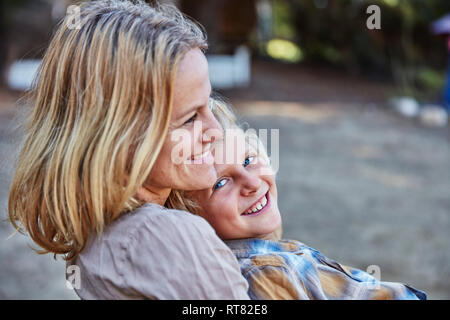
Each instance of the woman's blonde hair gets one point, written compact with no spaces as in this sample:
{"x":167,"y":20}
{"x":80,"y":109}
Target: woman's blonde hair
{"x":102,"y":101}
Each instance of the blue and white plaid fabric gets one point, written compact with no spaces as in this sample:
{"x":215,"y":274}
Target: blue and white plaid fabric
{"x":288,"y":269}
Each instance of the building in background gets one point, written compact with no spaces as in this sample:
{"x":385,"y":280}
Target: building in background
{"x":230,"y":25}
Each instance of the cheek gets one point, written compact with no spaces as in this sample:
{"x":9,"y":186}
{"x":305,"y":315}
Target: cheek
{"x":272,"y":185}
{"x":190,"y":138}
{"x":195,"y":145}
{"x":221,"y":212}
{"x":177,"y":145}
{"x":273,"y":192}
{"x":165,"y":166}
{"x":172,"y":144}
{"x":162,"y":163}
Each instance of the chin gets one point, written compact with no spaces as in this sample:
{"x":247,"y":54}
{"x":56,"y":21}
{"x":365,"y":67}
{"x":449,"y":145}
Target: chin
{"x":274,"y":223}
{"x":202,"y":177}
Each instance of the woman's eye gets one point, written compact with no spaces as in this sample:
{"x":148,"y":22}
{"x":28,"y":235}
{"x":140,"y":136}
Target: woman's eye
{"x":220,"y":184}
{"x":191,"y":119}
{"x":248,"y":160}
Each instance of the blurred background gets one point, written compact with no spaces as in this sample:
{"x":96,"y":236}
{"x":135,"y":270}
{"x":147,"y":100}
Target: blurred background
{"x":361,"y":103}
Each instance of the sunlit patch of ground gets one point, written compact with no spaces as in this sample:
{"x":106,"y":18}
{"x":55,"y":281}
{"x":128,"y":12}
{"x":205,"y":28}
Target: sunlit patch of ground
{"x":315,"y":113}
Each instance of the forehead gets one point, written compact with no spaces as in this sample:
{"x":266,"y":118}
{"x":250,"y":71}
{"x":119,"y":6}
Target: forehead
{"x":193,"y":62}
{"x":192,"y":86}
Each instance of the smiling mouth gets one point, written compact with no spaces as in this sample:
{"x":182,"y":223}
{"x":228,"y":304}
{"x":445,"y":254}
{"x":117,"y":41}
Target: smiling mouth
{"x":258,"y":207}
{"x":205,"y":157}
{"x":201,"y":156}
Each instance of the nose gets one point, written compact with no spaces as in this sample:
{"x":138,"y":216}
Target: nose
{"x":250,"y":183}
{"x":213,"y":131}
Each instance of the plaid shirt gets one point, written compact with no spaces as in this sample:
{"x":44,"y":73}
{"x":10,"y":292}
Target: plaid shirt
{"x":288,"y":269}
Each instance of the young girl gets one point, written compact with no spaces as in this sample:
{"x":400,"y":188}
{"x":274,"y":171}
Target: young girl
{"x":242,"y":208}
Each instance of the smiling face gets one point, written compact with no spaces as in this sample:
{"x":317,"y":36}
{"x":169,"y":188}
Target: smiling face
{"x":243,"y":201}
{"x":185,"y":161}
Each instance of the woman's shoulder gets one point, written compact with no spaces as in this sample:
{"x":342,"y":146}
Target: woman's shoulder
{"x":151,"y":213}
{"x":156,"y":219}
{"x":142,"y":244}
{"x":151,"y":227}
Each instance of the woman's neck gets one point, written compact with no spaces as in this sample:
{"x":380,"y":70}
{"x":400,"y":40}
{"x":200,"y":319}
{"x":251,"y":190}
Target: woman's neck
{"x":153,"y":194}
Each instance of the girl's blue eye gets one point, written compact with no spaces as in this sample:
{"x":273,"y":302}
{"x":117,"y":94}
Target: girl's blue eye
{"x":220,"y":184}
{"x":247,"y":161}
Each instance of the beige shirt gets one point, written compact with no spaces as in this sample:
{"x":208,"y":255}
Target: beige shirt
{"x":158,"y":253}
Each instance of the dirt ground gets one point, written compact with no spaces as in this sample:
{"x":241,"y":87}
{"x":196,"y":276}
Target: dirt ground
{"x":356,"y":181}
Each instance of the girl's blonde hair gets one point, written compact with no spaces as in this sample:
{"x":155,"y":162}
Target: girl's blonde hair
{"x":102,"y":101}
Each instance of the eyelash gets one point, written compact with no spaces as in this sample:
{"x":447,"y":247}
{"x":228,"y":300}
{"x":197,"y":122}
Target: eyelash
{"x":245,"y":164}
{"x":250,"y":161}
{"x":216,"y":186}
{"x":191,"y":119}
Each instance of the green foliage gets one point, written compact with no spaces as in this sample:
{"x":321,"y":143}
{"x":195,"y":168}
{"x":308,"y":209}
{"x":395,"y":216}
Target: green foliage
{"x":284,"y":50}
{"x":430,"y":79}
{"x":334,"y":32}
{"x":283,"y":26}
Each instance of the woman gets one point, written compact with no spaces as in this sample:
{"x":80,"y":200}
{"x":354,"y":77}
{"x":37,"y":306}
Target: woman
{"x":110,"y":99}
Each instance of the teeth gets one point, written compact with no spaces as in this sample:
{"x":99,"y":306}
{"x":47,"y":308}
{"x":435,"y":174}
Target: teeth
{"x":264,"y":201}
{"x":203,"y":155}
{"x":257,"y":207}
